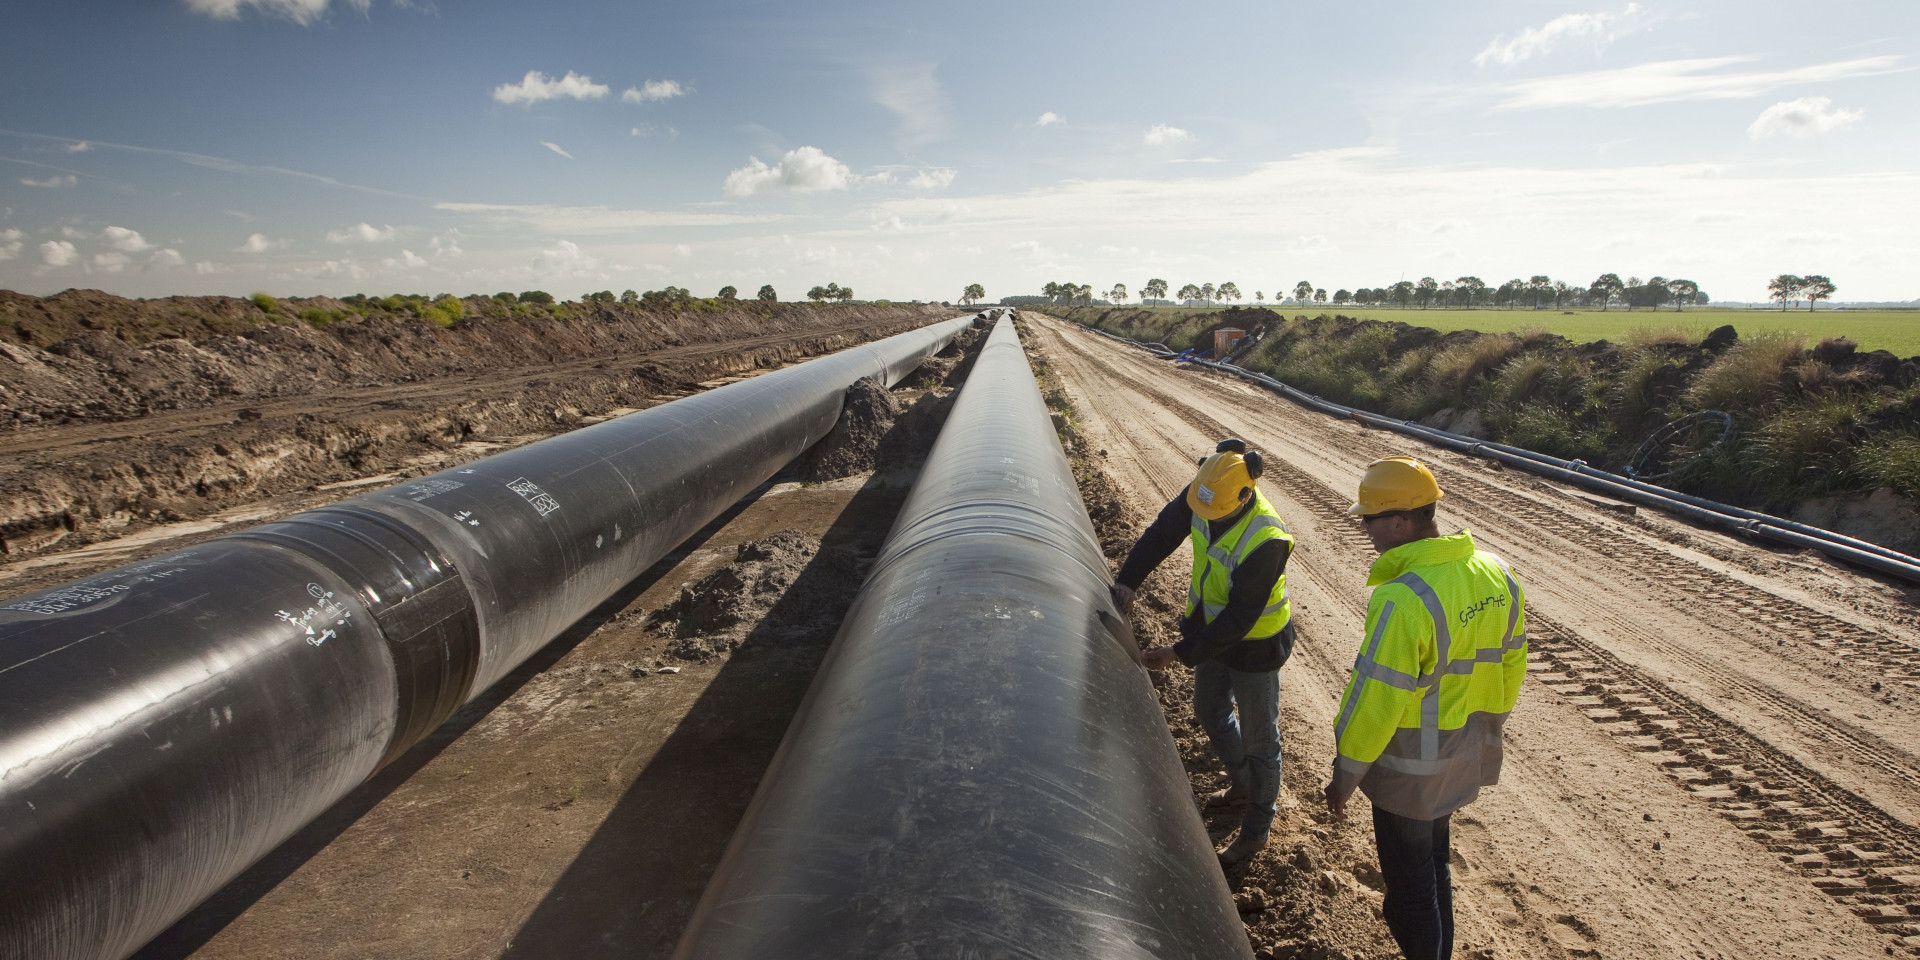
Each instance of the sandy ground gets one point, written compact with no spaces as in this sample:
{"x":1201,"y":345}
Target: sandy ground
{"x":1716,"y":757}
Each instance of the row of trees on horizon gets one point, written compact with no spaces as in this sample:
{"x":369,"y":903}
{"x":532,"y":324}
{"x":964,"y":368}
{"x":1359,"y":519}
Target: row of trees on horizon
{"x":1538,"y":292}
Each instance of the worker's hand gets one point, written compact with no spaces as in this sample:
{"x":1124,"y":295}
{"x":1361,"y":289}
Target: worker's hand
{"x":1336,"y":804}
{"x":1158,"y":658}
{"x":1122,"y":598}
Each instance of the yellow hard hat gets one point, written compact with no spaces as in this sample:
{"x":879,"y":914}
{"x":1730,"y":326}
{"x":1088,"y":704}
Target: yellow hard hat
{"x":1215,"y":490}
{"x":1396,"y":483}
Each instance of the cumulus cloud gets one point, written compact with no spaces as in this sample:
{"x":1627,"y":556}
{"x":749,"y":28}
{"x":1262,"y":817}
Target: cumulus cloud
{"x":1048,"y":119}
{"x":803,"y":170}
{"x":303,"y":12}
{"x":51,"y":183}
{"x":1600,"y":29}
{"x":259,"y":243}
{"x":1161,"y":135}
{"x":112,"y":261}
{"x":10,"y":244}
{"x":933,"y":179}
{"x":653,"y":90}
{"x":124,"y":240}
{"x":1673,"y":80}
{"x":408,"y":261}
{"x":58,"y":253}
{"x":1805,"y":117}
{"x":205,"y":267}
{"x":565,"y":258}
{"x":536,"y":87}
{"x":550,"y":145}
{"x":166,"y":258}
{"x":362,"y":232}
{"x":79,"y":146}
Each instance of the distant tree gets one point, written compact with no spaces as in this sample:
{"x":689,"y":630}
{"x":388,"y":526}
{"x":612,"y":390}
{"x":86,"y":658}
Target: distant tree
{"x":1051,"y":291}
{"x":1784,"y":288}
{"x":1816,"y":288}
{"x":1228,"y":291}
{"x":1320,"y":295}
{"x":1342,"y":296}
{"x":602,"y":297}
{"x":1259,"y":297}
{"x":846,"y":293}
{"x":1155,"y":289}
{"x":1562,"y":293}
{"x":628,"y":298}
{"x":1188,"y":292}
{"x":974,"y":293}
{"x":817,"y":293}
{"x":729,"y":293}
{"x":1405,"y":292}
{"x":1118,"y":294}
{"x":766,"y":293}
{"x":1303,"y":291}
{"x":1541,"y":286}
{"x":536,"y":296}
{"x":1683,"y":292}
{"x":1207,"y":292}
{"x":1508,"y":292}
{"x":1604,"y":289}
{"x":1469,"y":291}
{"x":505,"y":296}
{"x":1425,"y":291}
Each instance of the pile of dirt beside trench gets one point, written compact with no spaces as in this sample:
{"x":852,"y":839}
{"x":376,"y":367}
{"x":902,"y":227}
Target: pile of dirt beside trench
{"x":853,"y":445}
{"x":783,"y":588}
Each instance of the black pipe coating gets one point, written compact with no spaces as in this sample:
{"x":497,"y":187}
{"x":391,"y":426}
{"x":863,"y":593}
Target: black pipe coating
{"x":980,"y":768}
{"x":165,"y":724}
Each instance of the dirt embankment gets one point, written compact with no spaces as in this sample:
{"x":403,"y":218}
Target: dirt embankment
{"x":122,"y":435}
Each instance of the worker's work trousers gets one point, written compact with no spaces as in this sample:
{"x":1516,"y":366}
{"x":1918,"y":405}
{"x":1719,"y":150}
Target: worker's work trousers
{"x":1419,"y":903}
{"x":1249,"y":744}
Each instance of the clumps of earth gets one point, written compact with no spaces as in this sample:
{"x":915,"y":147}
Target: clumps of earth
{"x":853,"y":445}
{"x":782,"y":588}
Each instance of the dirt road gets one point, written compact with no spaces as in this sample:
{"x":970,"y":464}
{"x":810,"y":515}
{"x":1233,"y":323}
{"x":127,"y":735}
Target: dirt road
{"x":1716,"y":754}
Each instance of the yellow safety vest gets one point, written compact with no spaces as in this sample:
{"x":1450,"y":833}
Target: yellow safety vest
{"x":1215,"y":561}
{"x":1439,"y":670}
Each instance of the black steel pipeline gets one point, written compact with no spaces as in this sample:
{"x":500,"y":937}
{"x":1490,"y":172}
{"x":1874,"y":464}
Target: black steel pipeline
{"x":980,"y":768}
{"x":164,"y":724}
{"x":1752,"y":523}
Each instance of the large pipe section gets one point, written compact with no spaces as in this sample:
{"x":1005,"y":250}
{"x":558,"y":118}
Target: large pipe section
{"x":164,"y":724}
{"x":980,"y":768}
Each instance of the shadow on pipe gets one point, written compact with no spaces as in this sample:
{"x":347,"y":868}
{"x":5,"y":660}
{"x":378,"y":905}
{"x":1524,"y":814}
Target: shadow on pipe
{"x":981,"y":767}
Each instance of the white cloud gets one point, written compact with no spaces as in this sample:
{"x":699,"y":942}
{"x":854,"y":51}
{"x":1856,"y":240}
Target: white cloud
{"x":446,"y":245}
{"x":549,"y":218}
{"x":303,"y":12}
{"x":79,"y":146}
{"x":259,"y":243}
{"x":362,"y":232}
{"x":408,"y":260}
{"x":654,"y":90}
{"x":915,"y":97}
{"x":206,"y":267}
{"x":1161,"y":135}
{"x":51,"y":183}
{"x":110,"y":262}
{"x":803,"y":170}
{"x":166,"y":258}
{"x":933,"y":179}
{"x":1048,"y":119}
{"x":1601,"y":28}
{"x":123,"y":239}
{"x":10,"y":244}
{"x":1670,"y":80}
{"x":654,"y":130}
{"x":1805,"y":117}
{"x":58,"y":253}
{"x":550,"y":145}
{"x":536,"y":87}
{"x":565,"y":259}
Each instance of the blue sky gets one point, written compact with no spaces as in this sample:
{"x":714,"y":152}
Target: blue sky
{"x":907,"y":149}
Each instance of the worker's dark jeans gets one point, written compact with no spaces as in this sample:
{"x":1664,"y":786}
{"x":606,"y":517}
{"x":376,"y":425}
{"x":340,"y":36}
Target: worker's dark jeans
{"x":1413,"y":862}
{"x":1240,"y":711}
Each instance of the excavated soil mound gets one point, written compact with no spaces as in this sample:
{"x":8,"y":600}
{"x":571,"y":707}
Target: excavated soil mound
{"x":853,"y":445}
{"x":781,"y":588}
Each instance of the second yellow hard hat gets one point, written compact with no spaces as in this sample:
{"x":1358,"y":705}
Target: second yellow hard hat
{"x":1395,"y":483}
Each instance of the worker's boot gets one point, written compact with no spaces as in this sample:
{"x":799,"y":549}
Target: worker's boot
{"x":1241,"y":849}
{"x":1231,"y":796}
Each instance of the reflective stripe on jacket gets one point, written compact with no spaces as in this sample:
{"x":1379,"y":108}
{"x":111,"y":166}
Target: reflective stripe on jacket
{"x":1439,"y":670}
{"x":1215,"y":561}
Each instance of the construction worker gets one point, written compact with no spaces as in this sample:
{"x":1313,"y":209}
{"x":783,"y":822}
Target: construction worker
{"x":1237,"y":629}
{"x":1439,"y":670}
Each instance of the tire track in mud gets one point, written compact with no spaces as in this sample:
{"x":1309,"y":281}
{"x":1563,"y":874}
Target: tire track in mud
{"x":1864,"y":858}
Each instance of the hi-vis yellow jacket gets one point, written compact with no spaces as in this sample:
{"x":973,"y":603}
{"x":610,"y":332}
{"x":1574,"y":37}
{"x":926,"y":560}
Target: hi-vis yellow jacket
{"x":1214,"y":562}
{"x":1439,"y":670}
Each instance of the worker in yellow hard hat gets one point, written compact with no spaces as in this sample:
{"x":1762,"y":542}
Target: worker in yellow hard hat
{"x":1237,"y":629}
{"x":1439,"y":670}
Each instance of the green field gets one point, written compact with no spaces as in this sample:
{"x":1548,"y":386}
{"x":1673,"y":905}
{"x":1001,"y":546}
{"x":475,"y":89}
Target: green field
{"x":1896,"y":331}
